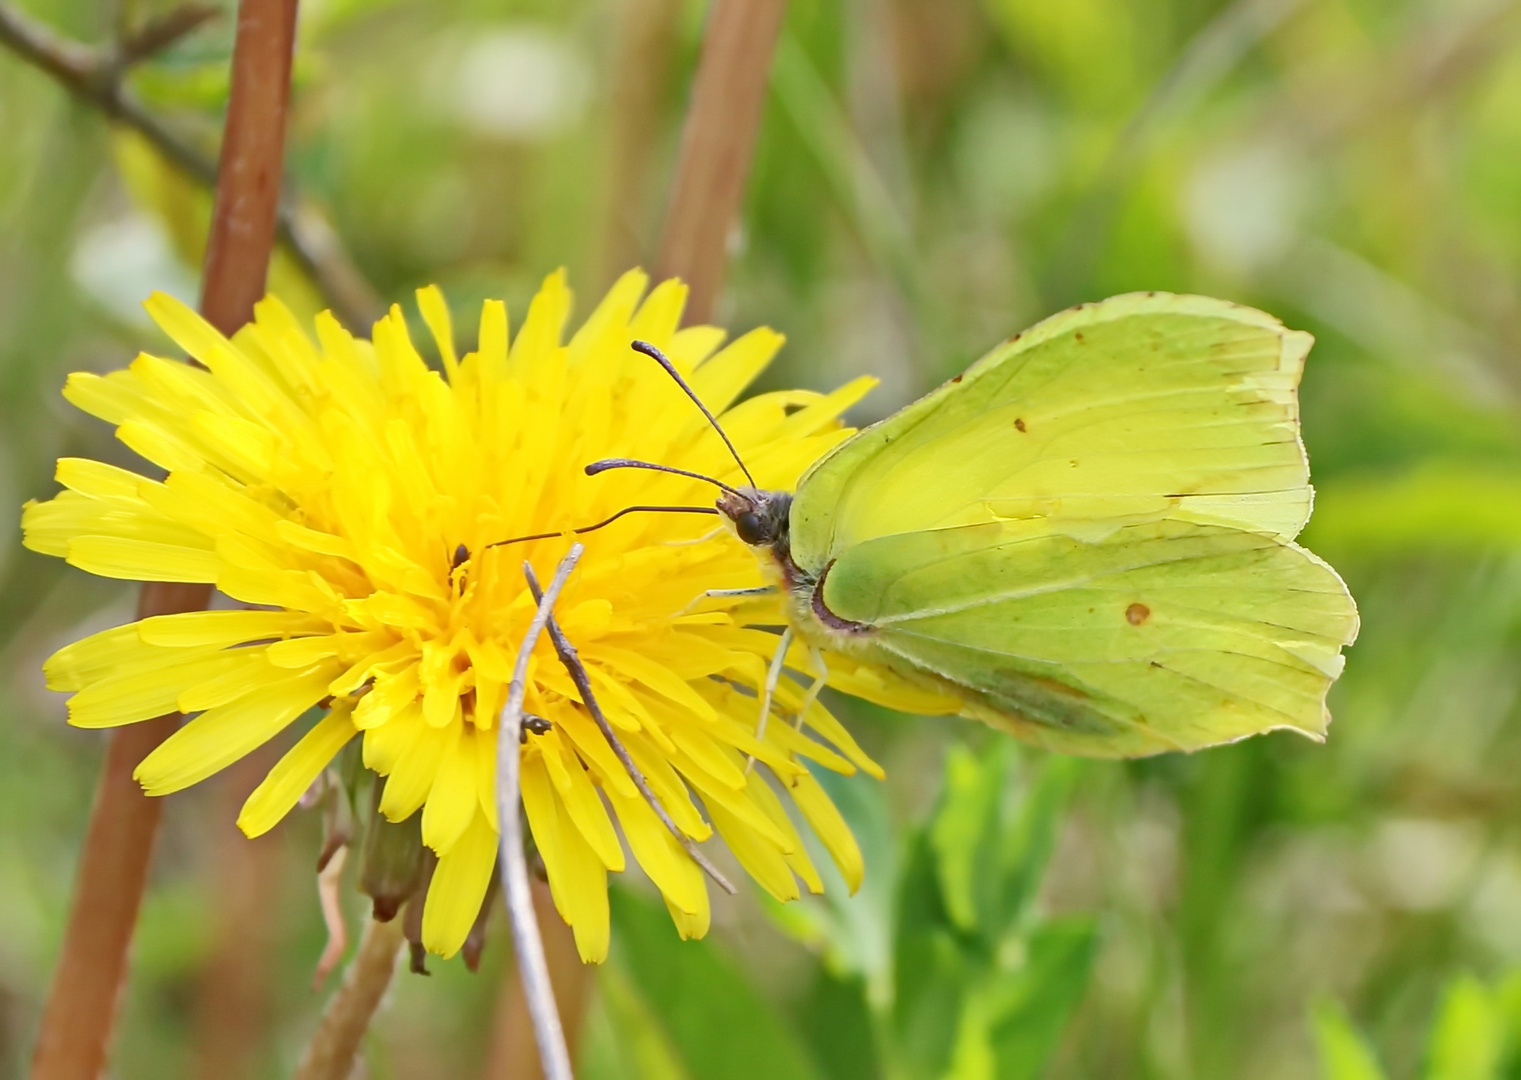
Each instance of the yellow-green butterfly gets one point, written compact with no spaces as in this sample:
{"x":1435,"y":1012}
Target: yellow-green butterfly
{"x":1086,"y":539}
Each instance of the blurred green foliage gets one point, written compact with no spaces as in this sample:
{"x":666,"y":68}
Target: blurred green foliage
{"x":1475,"y":1035}
{"x":931,"y":176}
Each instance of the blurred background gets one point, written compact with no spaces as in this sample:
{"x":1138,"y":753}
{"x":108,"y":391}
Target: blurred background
{"x":931,"y":176}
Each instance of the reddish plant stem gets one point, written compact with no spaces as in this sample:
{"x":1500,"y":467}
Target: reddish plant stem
{"x":248,"y":172}
{"x":717,"y":145}
{"x":81,"y":1005}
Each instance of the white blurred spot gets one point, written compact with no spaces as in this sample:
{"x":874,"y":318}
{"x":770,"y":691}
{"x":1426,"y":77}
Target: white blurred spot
{"x":1422,"y":865}
{"x":520,"y":84}
{"x":1006,"y":155}
{"x":1242,"y":207}
{"x":120,"y":262}
{"x":1495,"y":911}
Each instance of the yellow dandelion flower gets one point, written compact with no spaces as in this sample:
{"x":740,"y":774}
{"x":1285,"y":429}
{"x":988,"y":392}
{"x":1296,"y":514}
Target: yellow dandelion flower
{"x":349,"y":494}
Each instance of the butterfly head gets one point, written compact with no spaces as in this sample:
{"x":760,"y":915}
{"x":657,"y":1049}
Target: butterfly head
{"x":759,"y":518}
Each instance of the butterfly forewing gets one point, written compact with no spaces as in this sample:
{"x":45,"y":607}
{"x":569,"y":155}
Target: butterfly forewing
{"x":1140,"y":407}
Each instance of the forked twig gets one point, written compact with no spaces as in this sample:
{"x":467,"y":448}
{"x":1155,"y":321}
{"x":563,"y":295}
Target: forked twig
{"x":572,"y":661}
{"x":532,"y":967}
{"x":97,"y":78}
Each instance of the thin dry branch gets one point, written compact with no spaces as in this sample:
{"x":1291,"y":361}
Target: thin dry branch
{"x":577,"y":671}
{"x":717,"y":145}
{"x":96,"y":77}
{"x":533,"y":970}
{"x":77,"y":1017}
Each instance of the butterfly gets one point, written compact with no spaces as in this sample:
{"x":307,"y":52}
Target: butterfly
{"x":1086,"y":539}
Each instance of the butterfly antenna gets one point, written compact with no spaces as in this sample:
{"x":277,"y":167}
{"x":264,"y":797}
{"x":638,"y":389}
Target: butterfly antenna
{"x":670,"y":369}
{"x":634,"y":463}
{"x":608,"y":521}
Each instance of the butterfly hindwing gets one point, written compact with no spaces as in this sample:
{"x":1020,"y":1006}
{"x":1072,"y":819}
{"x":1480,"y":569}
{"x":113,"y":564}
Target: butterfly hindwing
{"x":1162,"y":635}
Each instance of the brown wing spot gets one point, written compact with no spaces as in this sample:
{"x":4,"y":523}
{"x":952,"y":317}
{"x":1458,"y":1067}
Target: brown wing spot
{"x":1136,"y":614}
{"x":957,"y":379}
{"x":1018,"y":423}
{"x":1078,"y":337}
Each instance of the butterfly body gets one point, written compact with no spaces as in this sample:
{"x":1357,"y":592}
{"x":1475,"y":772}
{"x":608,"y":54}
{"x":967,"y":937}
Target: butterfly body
{"x":1086,"y":539}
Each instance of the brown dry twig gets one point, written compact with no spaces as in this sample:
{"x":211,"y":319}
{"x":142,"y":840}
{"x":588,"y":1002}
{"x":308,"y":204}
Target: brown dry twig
{"x":577,"y":671}
{"x":97,"y":77}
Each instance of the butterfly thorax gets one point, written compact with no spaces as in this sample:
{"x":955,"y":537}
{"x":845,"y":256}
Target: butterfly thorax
{"x":762,"y":520}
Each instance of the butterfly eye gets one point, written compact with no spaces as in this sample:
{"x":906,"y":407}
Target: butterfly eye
{"x":751,"y":528}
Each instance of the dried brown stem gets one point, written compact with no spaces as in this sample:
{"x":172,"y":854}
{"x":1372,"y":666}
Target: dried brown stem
{"x":717,"y":146}
{"x":330,"y":1054}
{"x":78,"y":1014}
{"x":95,"y":78}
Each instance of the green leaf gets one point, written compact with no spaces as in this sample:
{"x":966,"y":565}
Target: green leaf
{"x":718,"y":1023}
{"x":837,"y":1022}
{"x":860,"y":927}
{"x":931,"y":972}
{"x":973,"y":1057}
{"x":1440,"y":507}
{"x":1344,"y":1055}
{"x":1028,"y":842}
{"x":964,"y":836}
{"x":624,"y":1038}
{"x":1467,"y":1038}
{"x":1032,"y":1005}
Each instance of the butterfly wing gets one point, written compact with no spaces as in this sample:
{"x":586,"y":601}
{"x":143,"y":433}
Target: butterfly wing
{"x":1161,"y":635}
{"x":1140,"y":407}
{"x":1088,"y":535}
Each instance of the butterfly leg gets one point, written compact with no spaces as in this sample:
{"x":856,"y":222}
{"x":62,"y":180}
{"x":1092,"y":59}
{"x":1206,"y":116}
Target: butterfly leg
{"x":713,"y":594}
{"x":703,"y":539}
{"x":773,"y":676}
{"x":821,"y":676}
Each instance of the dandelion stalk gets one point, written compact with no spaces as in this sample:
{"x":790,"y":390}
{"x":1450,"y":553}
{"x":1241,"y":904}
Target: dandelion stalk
{"x":717,"y":145}
{"x":330,"y":1055}
{"x":77,"y":1017}
{"x":529,"y":948}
